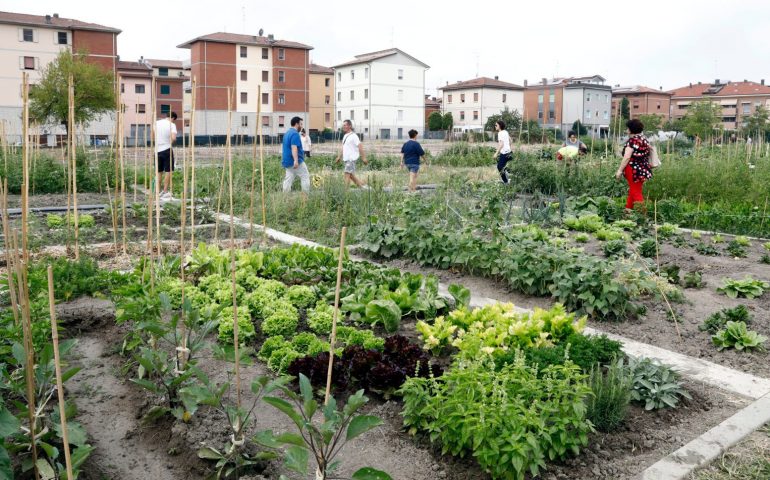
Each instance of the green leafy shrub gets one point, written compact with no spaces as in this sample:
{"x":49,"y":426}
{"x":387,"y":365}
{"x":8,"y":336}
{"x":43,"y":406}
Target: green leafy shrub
{"x":582,"y":237}
{"x":510,"y":420}
{"x":281,"y":318}
{"x":737,"y":336}
{"x":667,"y":230}
{"x":270,"y":345}
{"x":365,"y":338}
{"x":320,"y":318}
{"x":301,"y":296}
{"x":746,"y":288}
{"x":655,"y":385}
{"x":765,"y":259}
{"x":259,"y":299}
{"x":693,"y":279}
{"x":671,"y":273}
{"x":585,"y":223}
{"x":717,"y":321}
{"x":245,"y":327}
{"x":736,"y":250}
{"x":614,"y":248}
{"x":706,"y":249}
{"x":585,"y":351}
{"x":54,"y":221}
{"x":742,"y":241}
{"x":624,"y":224}
{"x":607,"y":407}
{"x":648,"y":248}
{"x":282,"y":357}
{"x":607,"y":234}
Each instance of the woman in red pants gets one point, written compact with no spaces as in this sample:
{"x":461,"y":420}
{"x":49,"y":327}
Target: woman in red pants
{"x":636,"y":163}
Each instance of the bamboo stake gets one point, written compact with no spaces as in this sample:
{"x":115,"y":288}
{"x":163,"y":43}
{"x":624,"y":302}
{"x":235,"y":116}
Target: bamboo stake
{"x":257,"y":132}
{"x":333,"y":337}
{"x":229,"y":155}
{"x":219,"y":203}
{"x":114,"y":217}
{"x":182,"y":355}
{"x":764,"y":214}
{"x":156,"y":190}
{"x":262,"y":181}
{"x":73,"y":166}
{"x":192,"y":161}
{"x":136,"y":157}
{"x":25,"y":165}
{"x":122,"y":149}
{"x":59,"y":382}
{"x":9,"y":258}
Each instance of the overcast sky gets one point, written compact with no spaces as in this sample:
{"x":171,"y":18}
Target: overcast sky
{"x":667,"y":43}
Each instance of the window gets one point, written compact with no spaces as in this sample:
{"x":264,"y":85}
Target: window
{"x":366,"y":93}
{"x":540,"y":98}
{"x":244,"y":52}
{"x":401,"y":95}
{"x":28,"y":35}
{"x":540,"y":114}
{"x":165,"y":89}
{"x":139,"y":88}
{"x":186,"y":122}
{"x":281,"y":121}
{"x":265,"y":76}
{"x":366,"y":114}
{"x":505,"y":97}
{"x":551,"y":115}
{"x":281,"y":99}
{"x":244,"y":75}
{"x":400,"y":115}
{"x":551,"y":97}
{"x":281,"y":76}
{"x":327,"y":82}
{"x":140,"y":108}
{"x":163,"y":72}
{"x":636,"y":105}
{"x":352,"y":74}
{"x":588,"y":97}
{"x":61,"y":38}
{"x":462,"y":115}
{"x":244,"y":97}
{"x":475,"y":114}
{"x":400,"y":74}
{"x":327,"y":100}
{"x":449,"y":98}
{"x":265,"y":55}
{"x":588,"y":114}
{"x":607,"y":115}
{"x":165,"y":109}
{"x":352,"y":95}
{"x":327,"y":117}
{"x":339,"y":114}
{"x":352,"y":115}
{"x":281,"y":54}
{"x":366,"y":72}
{"x":339,"y":96}
{"x":462,"y":98}
{"x":265,"y":98}
{"x":29,"y":63}
{"x":658,"y":105}
{"x":244,"y":120}
{"x":265,"y":121}
{"x":122,"y":88}
{"x":728,"y":119}
{"x":746,"y":108}
{"x":475,"y":97}
{"x":339,"y":76}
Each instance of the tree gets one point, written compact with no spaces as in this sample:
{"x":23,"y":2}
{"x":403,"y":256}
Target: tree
{"x":435,"y":122}
{"x":652,"y":122}
{"x":579,"y":128}
{"x":757,"y":123}
{"x":447,"y":122}
{"x":702,"y":119}
{"x":512,"y":120}
{"x":625,"y":111}
{"x":94,"y":91}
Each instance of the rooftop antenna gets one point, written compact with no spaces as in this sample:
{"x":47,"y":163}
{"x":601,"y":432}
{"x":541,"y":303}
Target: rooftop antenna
{"x":261,"y":31}
{"x":392,"y":36}
{"x":477,"y":64}
{"x":243,"y":17}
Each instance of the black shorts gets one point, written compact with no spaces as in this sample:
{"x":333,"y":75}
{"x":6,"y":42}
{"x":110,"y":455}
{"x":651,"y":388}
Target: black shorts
{"x":166,"y":161}
{"x":306,"y":153}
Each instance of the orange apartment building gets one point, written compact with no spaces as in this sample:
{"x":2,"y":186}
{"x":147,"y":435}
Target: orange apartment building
{"x":321,"y":99}
{"x":30,"y":43}
{"x":737,"y":99}
{"x":642,"y":101}
{"x":260,"y":71}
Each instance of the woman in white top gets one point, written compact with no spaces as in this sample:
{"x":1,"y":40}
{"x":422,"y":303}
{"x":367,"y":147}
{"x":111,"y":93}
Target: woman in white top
{"x":503,"y":153}
{"x":305,"y":138}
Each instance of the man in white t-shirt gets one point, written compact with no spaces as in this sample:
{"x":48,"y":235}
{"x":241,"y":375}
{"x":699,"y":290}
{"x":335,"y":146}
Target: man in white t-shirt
{"x":503,"y":153}
{"x":165,"y":136}
{"x":352,"y":150}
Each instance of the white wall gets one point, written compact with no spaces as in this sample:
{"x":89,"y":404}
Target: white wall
{"x":490,"y":102}
{"x":254,"y":65}
{"x":578,"y":102}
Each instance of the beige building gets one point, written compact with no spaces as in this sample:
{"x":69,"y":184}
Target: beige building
{"x":321,"y":98}
{"x":472,"y":102}
{"x":30,"y":43}
{"x":737,"y":99}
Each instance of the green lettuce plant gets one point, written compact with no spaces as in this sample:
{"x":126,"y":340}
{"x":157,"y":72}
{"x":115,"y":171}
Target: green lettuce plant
{"x":736,"y":335}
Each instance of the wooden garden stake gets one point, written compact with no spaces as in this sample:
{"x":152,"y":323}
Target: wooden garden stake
{"x":25,"y":165}
{"x":764,"y":214}
{"x":657,"y":245}
{"x":114,"y":217}
{"x":73,"y":162}
{"x":257,"y":135}
{"x":59,"y":382}
{"x":9,"y":254}
{"x":136,"y":158}
{"x":262,"y":183}
{"x":192,"y":161}
{"x":156,"y":190}
{"x":333,"y":337}
{"x":121,"y":159}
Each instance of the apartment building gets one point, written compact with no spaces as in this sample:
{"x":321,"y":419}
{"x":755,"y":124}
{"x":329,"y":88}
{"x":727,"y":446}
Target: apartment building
{"x":472,"y":102}
{"x":321,"y":98}
{"x":642,"y":101}
{"x":136,"y":97}
{"x":559,"y":102}
{"x":245,"y":63}
{"x":30,"y":43}
{"x":382,"y":93}
{"x":170,"y":77}
{"x":432,"y":104}
{"x":737,"y":99}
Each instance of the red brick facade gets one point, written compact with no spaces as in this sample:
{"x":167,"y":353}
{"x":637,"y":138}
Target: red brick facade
{"x":294,"y":88}
{"x":101,"y":47}
{"x":214,"y":69}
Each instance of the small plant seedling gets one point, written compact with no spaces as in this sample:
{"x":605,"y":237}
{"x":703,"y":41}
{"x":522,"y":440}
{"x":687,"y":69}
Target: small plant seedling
{"x":765,"y":259}
{"x":737,"y":336}
{"x":696,"y":235}
{"x":767,"y":246}
{"x":735,"y":249}
{"x":614,"y":248}
{"x":693,"y":279}
{"x":668,"y":230}
{"x":717,"y":238}
{"x":746,"y":288}
{"x":671,"y":272}
{"x":706,"y":249}
{"x":717,"y":321}
{"x":647,"y":248}
{"x":742,"y":241}
{"x":655,"y":385}
{"x":582,"y":237}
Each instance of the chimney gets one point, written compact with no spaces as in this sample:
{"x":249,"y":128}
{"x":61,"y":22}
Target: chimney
{"x":762,"y":82}
{"x":496,"y":77}
{"x":447,"y":83}
{"x":55,"y":15}
{"x":48,"y":19}
{"x":716,"y":82}
{"x":525,"y":82}
{"x":699,"y":83}
{"x":545,"y":80}
{"x":661,"y":88}
{"x":270,"y":37}
{"x":254,"y":38}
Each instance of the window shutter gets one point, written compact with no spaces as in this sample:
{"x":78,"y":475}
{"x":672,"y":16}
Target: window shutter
{"x":21,"y":63}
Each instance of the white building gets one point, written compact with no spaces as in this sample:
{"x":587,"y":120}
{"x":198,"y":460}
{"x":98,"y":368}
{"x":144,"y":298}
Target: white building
{"x":382,"y":93}
{"x":589,"y":100}
{"x":472,"y":102}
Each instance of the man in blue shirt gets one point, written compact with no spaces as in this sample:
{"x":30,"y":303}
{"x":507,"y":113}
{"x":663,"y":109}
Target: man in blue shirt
{"x":411,"y":152}
{"x":293,"y":159}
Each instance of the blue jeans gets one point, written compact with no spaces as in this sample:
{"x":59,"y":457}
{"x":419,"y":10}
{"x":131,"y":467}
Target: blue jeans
{"x":413,"y":167}
{"x":502,"y":161}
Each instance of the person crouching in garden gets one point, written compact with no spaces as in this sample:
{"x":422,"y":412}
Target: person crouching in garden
{"x":635,"y":165}
{"x":411,"y":152}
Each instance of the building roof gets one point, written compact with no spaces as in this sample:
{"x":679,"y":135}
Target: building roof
{"x":154,"y":62}
{"x":315,"y":68}
{"x":564,"y":81}
{"x":482,"y":82}
{"x":637,"y":89}
{"x":52,"y":21}
{"x":727,"y":89}
{"x":133,"y":66}
{"x":432,"y":102}
{"x":222,"y":37}
{"x":371,"y":56}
